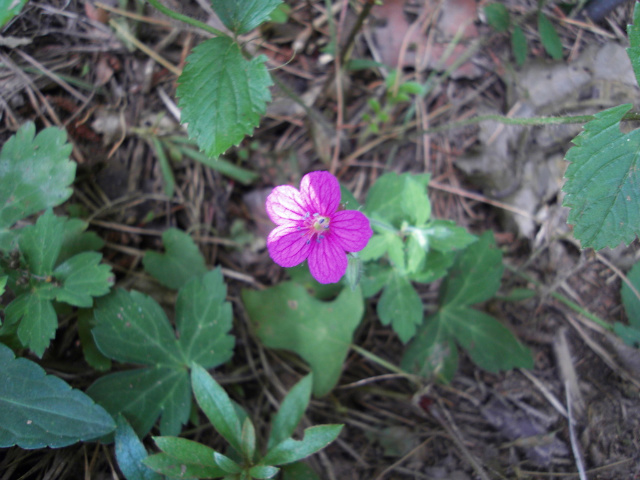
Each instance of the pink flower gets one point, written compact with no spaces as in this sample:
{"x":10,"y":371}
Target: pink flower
{"x":309,"y":225}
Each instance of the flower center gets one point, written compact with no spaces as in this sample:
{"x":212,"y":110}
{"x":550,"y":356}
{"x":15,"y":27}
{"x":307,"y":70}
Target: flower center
{"x":314,"y":226}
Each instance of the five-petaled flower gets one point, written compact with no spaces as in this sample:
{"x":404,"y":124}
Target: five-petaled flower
{"x":310,"y":226}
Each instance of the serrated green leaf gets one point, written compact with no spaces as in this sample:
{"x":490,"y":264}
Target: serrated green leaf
{"x":549,"y":37}
{"x":222,"y":95}
{"x":416,"y":253}
{"x":130,"y":453}
{"x":91,"y":353}
{"x":415,"y":202}
{"x":629,"y":299}
{"x":375,"y":249}
{"x":490,"y":344}
{"x":182,"y":458}
{"x":204,"y":319}
{"x":432,"y":353}
{"x":181,"y":261}
{"x":36,"y":319}
{"x":76,"y":240}
{"x":375,"y":277}
{"x":241,"y":16}
{"x":291,"y":410}
{"x":9,"y":9}
{"x":290,"y":450}
{"x":497,"y":16}
{"x":401,"y":307}
{"x":384,"y":200}
{"x":446,"y":236}
{"x":602,"y":187}
{"x":132,"y":327}
{"x":40,"y":243}
{"x":82,"y":278}
{"x":40,"y":410}
{"x":288,"y":317}
{"x":475,"y":276}
{"x":143,"y":395}
{"x":436,"y":266}
{"x":519,"y":45}
{"x":634,"y":42}
{"x":35,"y":173}
{"x":395,"y":249}
{"x":217,"y":406}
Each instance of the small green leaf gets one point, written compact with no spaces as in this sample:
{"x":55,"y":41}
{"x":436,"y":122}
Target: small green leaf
{"x":395,"y":249}
{"x":181,"y":262}
{"x":41,"y":243}
{"x":602,"y":187}
{"x":143,"y":395}
{"x":35,"y":173}
{"x":436,"y":266}
{"x":83,"y":277}
{"x":491,"y":345}
{"x":384,"y":200}
{"x":217,"y":406}
{"x":549,"y":37}
{"x":91,"y":353}
{"x":519,"y":45}
{"x":226,"y":464}
{"x":241,"y":16}
{"x":38,"y":320}
{"x":629,"y":299}
{"x":132,"y":327}
{"x":40,"y":410}
{"x":9,"y":9}
{"x":446,"y":236}
{"x":415,"y":202}
{"x":416,"y":253}
{"x":182,"y":458}
{"x":497,"y":16}
{"x":291,"y":410}
{"x":374,"y":278}
{"x":204,"y":319}
{"x":290,"y":450}
{"x":475,"y":276}
{"x":222,"y":95}
{"x":263,"y":471}
{"x":287,"y":317}
{"x":248,"y":439}
{"x":130,"y":453}
{"x":432,"y":353}
{"x":76,"y":240}
{"x":628,"y":333}
{"x":401,"y":307}
{"x":634,"y":42}
{"x":3,"y":285}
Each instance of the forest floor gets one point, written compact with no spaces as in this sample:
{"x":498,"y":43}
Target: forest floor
{"x":80,"y":65}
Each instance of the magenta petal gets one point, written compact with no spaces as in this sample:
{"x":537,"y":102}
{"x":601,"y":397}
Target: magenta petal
{"x":321,"y":192}
{"x":287,"y":246}
{"x":284,"y":204}
{"x":327,"y":261}
{"x":350,"y":229}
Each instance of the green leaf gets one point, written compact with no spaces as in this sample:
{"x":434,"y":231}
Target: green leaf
{"x":446,"y":236}
{"x":217,"y":406}
{"x":290,"y":450}
{"x":143,"y":395}
{"x":130,"y":453}
{"x":432,"y":353}
{"x":76,"y":240}
{"x":497,"y":16}
{"x":291,"y":410}
{"x":203,"y":320}
{"x":9,"y":9}
{"x":41,"y":243}
{"x":298,"y":471}
{"x":248,"y":439}
{"x":91,"y":353}
{"x":226,"y":464}
{"x":416,"y":253}
{"x":519,"y":45}
{"x":602,"y":187}
{"x":491,"y":345}
{"x":182,"y":458}
{"x":436,"y":266}
{"x":415,"y":202}
{"x":395,"y":249}
{"x":35,"y":173}
{"x":83,"y":277}
{"x":394,"y":198}
{"x":132,"y":327}
{"x":634,"y":42}
{"x":629,"y":299}
{"x":241,"y":16}
{"x":37,"y":318}
{"x":181,"y":262}
{"x":263,"y":471}
{"x":628,"y":333}
{"x":475,"y":276}
{"x":374,"y":278}
{"x":549,"y":37}
{"x":40,"y":410}
{"x":287,"y":317}
{"x":222,"y":95}
{"x":401,"y":307}
{"x":375,"y":249}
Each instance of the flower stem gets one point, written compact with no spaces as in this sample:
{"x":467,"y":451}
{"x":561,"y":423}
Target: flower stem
{"x":183,"y":18}
{"x":383,"y":363}
{"x":382,"y":225}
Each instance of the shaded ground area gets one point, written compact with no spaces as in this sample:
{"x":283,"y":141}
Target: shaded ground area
{"x":80,"y":65}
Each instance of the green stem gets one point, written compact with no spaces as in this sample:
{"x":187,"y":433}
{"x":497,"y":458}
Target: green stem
{"x":382,"y":362}
{"x":382,"y":225}
{"x":183,"y":18}
{"x":561,"y":298}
